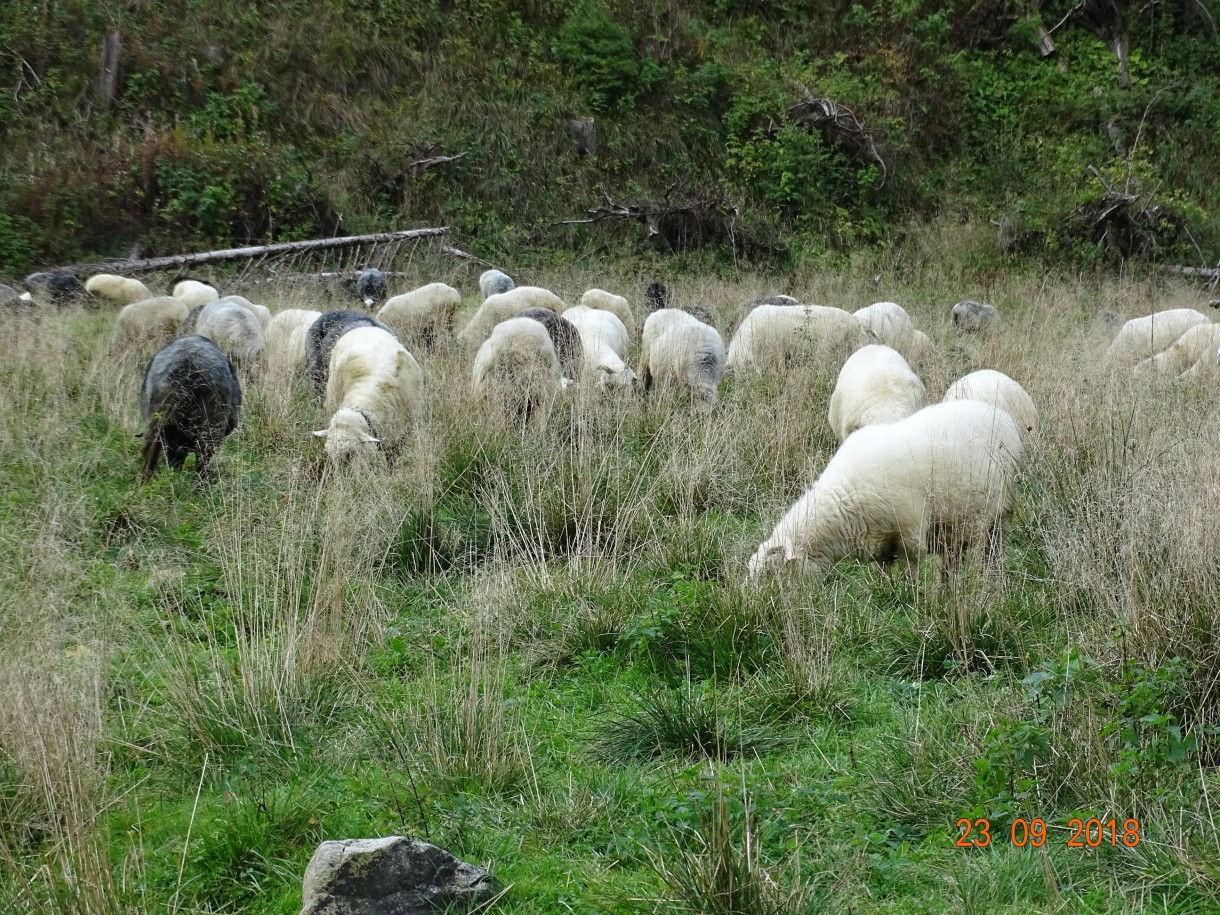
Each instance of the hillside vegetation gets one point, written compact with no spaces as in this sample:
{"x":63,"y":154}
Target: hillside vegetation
{"x":540,"y":652}
{"x":226,"y":122}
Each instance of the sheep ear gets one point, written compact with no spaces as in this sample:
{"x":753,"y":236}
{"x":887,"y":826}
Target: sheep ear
{"x":321,"y":433}
{"x":365,"y":437}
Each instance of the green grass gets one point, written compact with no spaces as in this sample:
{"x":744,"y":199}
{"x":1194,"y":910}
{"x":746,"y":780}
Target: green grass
{"x":540,"y":653}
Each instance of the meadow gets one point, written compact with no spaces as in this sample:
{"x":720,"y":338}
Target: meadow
{"x":539,"y":650}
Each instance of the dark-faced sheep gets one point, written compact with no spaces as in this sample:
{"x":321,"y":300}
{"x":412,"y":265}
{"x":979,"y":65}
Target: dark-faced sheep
{"x":190,"y":400}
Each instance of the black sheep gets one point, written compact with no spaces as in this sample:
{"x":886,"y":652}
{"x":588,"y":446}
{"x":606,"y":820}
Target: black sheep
{"x":191,"y":400}
{"x":371,"y":287}
{"x":322,"y":336}
{"x":566,"y":338}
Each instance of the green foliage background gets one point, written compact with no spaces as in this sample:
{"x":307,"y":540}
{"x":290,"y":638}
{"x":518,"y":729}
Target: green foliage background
{"x":237,"y":122}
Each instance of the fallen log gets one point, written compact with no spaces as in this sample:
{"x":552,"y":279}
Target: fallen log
{"x":179,"y":261}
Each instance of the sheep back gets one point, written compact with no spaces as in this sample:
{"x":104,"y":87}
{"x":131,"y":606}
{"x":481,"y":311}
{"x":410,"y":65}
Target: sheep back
{"x":1000,"y":391}
{"x":142,"y":328}
{"x":120,"y":290}
{"x":875,"y":386}
{"x":424,"y":316}
{"x":322,"y":336}
{"x":678,"y":350}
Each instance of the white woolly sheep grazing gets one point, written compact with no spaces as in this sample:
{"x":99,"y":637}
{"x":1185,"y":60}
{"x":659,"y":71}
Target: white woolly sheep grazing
{"x":932,"y":482}
{"x":262,"y":312}
{"x":374,"y":392}
{"x":517,"y":368}
{"x":679,"y":350}
{"x":193,"y":293}
{"x":971,"y":317}
{"x":921,"y":346}
{"x":238,"y":333}
{"x":505,"y":305}
{"x":1142,"y":338}
{"x":997,"y":389}
{"x":773,"y":336}
{"x":494,"y":282}
{"x":615,"y":304}
{"x":875,"y":386}
{"x":889,"y":323}
{"x":604,"y":339}
{"x":120,"y":290}
{"x":287,"y":356}
{"x":142,"y":328}
{"x":424,"y":316}
{"x":1192,"y":354}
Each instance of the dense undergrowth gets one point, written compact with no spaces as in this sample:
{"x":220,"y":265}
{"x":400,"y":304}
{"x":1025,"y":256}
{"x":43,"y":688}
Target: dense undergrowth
{"x":231,"y":123}
{"x":539,"y":651}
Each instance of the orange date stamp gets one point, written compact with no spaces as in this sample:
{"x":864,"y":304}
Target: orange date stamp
{"x":1090,"y":833}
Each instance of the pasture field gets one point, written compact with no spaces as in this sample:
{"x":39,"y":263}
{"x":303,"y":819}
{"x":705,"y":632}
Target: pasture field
{"x":539,"y":652}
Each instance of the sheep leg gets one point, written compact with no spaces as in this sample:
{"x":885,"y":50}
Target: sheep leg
{"x":152,"y":453}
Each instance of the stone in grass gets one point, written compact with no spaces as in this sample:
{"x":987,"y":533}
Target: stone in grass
{"x":390,"y":876}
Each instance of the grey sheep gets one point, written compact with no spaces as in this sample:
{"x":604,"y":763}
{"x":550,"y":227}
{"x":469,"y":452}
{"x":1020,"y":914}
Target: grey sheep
{"x":58,"y":288}
{"x":190,"y":400}
{"x":970,"y":317}
{"x":371,"y":287}
{"x":565,"y":336}
{"x":494,"y":282}
{"x":322,"y":336}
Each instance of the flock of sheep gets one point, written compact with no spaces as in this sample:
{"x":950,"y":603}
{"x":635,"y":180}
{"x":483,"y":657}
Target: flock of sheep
{"x":908,"y":478}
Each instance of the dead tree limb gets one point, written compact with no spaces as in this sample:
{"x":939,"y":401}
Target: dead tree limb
{"x":839,"y":126}
{"x":421,"y":165}
{"x":179,"y":261}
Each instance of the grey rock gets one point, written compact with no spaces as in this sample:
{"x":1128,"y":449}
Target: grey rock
{"x":391,"y":876}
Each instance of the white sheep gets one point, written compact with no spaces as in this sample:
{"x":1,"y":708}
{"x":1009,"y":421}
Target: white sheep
{"x":374,"y":393}
{"x":875,"y":386}
{"x":615,"y":304}
{"x":1192,"y":354}
{"x":773,"y":336}
{"x":237,"y":331}
{"x":932,"y":482}
{"x":504,"y":305}
{"x":120,"y":290}
{"x":889,"y":323}
{"x":193,"y":293}
{"x":679,"y":350}
{"x":144,"y":327}
{"x":262,"y":312}
{"x":604,"y":340}
{"x":424,"y":316}
{"x":972,"y":317}
{"x":1142,"y":338}
{"x":517,"y":368}
{"x":920,"y":347}
{"x":287,"y":356}
{"x":997,"y":389}
{"x":493,"y":282}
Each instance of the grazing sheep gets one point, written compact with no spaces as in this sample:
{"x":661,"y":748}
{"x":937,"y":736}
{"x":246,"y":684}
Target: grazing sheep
{"x":504,"y":305}
{"x":238,"y":333}
{"x":287,"y":356}
{"x":1000,"y":391}
{"x":1192,"y":354}
{"x":929,"y":483}
{"x":120,"y":290}
{"x":142,"y":328}
{"x":262,"y":312}
{"x":700,"y":313}
{"x":604,"y":340}
{"x":615,"y":304}
{"x":374,"y":392}
{"x":971,"y":317}
{"x":193,"y":293}
{"x":494,"y":282}
{"x":57,"y":288}
{"x":656,"y":297}
{"x":422,"y":317}
{"x":889,"y":323}
{"x":518,"y":369}
{"x":190,"y":400}
{"x":678,"y":350}
{"x":742,"y":312}
{"x":774,"y":336}
{"x":9,"y":296}
{"x":921,"y":346}
{"x":371,"y":287}
{"x":565,"y":336}
{"x":1142,"y":338}
{"x":322,"y":336}
{"x":875,"y":386}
